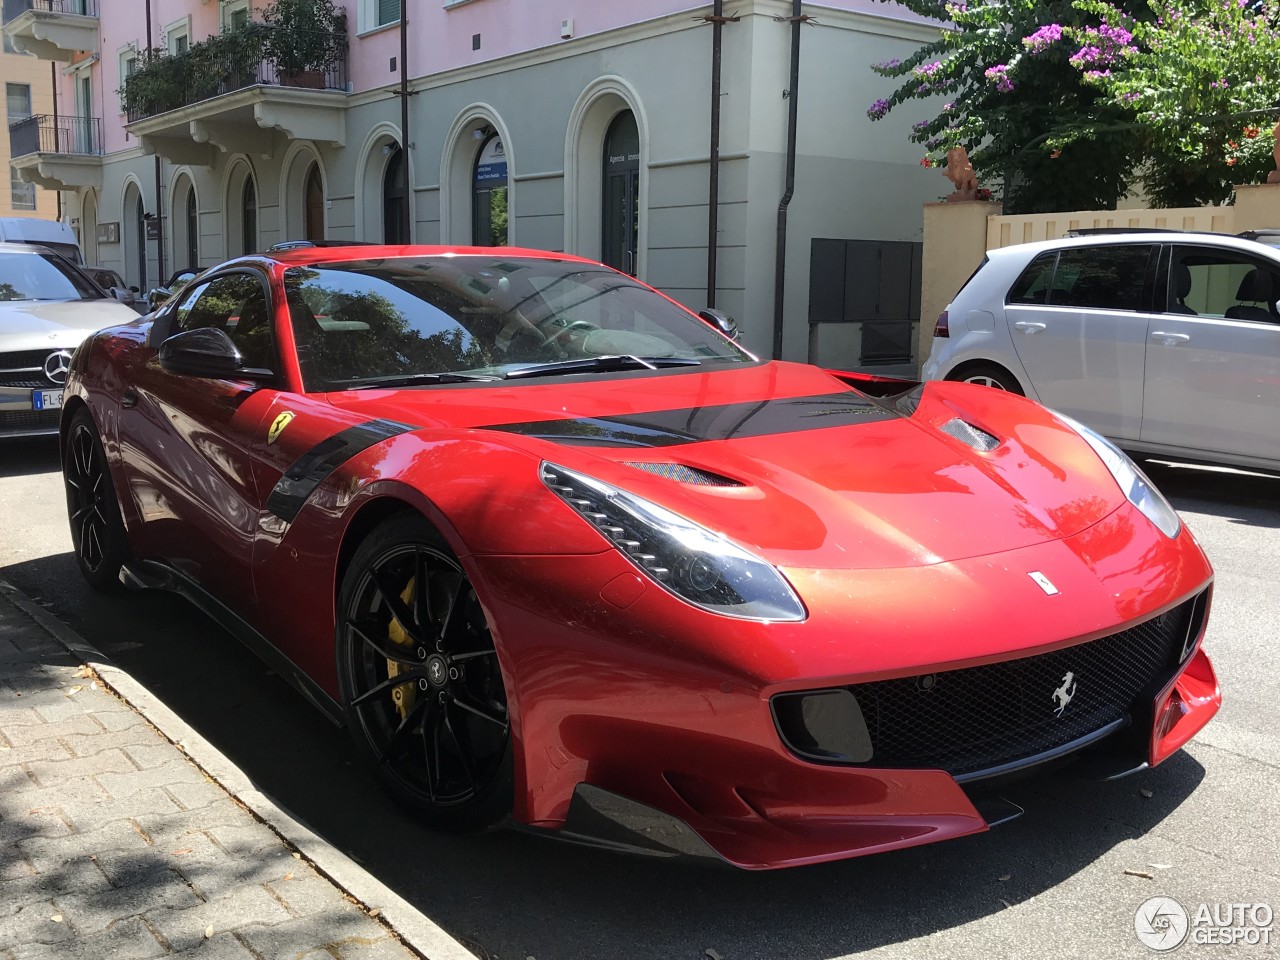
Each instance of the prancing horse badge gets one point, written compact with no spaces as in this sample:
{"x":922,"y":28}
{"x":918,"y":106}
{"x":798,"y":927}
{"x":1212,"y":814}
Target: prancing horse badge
{"x":278,"y":425}
{"x":1044,"y":583}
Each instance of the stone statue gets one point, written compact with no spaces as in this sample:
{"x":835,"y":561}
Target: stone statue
{"x":960,"y":172}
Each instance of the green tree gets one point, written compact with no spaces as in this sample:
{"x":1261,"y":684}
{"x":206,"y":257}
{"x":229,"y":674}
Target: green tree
{"x":1032,"y":123}
{"x":1199,"y":80}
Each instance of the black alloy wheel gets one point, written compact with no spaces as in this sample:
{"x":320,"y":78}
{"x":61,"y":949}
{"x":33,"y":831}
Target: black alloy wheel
{"x":420,"y":678}
{"x":97,"y":532}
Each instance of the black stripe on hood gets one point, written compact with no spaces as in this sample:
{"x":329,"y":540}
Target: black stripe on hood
{"x":664,"y":428}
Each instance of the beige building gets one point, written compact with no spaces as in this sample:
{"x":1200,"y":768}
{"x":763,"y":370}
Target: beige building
{"x":28,"y":91}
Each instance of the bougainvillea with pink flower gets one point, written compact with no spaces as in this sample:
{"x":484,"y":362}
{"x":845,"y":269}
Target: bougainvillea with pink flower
{"x":1068,"y":104}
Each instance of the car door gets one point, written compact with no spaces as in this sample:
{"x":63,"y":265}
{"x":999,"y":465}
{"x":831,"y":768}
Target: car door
{"x":187,"y":443}
{"x":1213,"y":355}
{"x":1078,"y":319}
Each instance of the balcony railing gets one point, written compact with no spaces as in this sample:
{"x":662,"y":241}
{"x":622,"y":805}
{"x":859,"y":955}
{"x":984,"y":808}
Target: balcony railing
{"x":256,"y":54}
{"x":62,"y":135}
{"x":15,"y":8}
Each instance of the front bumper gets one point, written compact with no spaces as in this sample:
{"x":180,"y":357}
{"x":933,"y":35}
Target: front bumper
{"x":18,"y":416}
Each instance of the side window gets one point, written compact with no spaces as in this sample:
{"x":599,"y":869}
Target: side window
{"x":236,"y":304}
{"x":1109,"y":277}
{"x":1036,"y":281}
{"x":1220,"y":283}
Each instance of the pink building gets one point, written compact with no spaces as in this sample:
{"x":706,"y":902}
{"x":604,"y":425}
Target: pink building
{"x":586,"y":127}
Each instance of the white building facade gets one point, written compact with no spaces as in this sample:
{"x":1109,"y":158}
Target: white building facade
{"x":584,"y":127}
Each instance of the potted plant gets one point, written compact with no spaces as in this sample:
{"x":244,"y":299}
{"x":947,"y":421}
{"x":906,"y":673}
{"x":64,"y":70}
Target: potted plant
{"x":305,"y":39}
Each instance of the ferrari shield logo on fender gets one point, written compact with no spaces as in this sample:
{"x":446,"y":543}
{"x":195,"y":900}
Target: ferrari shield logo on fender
{"x":278,"y":425}
{"x":1065,"y":693}
{"x":1044,"y":583}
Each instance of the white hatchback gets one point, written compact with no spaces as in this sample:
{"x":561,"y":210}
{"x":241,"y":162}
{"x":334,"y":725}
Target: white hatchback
{"x":1167,"y":342}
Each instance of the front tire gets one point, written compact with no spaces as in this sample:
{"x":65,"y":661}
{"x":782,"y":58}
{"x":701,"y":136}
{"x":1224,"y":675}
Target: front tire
{"x":420,"y":679}
{"x":97,"y":532}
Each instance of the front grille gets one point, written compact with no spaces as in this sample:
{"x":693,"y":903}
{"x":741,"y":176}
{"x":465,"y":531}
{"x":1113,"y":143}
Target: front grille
{"x":24,"y":369}
{"x":29,"y":421}
{"x":981,"y":718}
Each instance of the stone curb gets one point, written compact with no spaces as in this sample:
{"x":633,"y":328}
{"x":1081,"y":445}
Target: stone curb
{"x":410,"y":925}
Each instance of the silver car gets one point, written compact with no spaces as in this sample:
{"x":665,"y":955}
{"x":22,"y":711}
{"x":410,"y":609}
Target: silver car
{"x":47,"y":306}
{"x":1167,"y":342}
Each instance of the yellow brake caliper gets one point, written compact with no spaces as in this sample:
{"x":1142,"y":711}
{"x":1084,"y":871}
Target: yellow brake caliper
{"x":404,"y":694}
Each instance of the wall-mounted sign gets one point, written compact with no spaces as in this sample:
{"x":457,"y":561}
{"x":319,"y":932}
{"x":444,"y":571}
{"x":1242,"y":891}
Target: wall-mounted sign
{"x":109,"y":232}
{"x":491,"y":167}
{"x":153,"y":229}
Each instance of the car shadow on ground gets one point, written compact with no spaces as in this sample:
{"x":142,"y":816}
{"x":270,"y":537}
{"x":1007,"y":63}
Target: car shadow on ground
{"x":1238,"y":496}
{"x":29,"y":457}
{"x":508,"y":893}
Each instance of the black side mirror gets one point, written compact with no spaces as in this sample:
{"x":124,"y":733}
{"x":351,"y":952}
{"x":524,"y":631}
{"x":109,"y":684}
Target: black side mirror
{"x":134,"y":290}
{"x":207,"y":352}
{"x":722,"y":322}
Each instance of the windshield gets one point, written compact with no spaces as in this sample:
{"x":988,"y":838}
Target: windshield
{"x":38,"y":276}
{"x":488,"y":317}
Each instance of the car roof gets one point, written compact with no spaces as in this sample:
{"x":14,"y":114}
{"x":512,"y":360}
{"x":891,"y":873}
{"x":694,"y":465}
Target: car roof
{"x":302,"y":256}
{"x":6,"y":247}
{"x":1206,"y":238}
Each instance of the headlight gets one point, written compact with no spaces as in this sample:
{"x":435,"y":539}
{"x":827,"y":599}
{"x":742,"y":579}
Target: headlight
{"x":686,"y":559}
{"x":1140,"y":491}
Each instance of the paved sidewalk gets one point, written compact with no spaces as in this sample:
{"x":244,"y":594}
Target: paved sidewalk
{"x":113,"y":843}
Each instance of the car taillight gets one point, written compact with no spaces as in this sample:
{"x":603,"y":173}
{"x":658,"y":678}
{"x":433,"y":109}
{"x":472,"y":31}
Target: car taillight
{"x":943,"y":327}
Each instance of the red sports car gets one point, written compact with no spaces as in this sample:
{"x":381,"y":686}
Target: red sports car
{"x":529,"y":527}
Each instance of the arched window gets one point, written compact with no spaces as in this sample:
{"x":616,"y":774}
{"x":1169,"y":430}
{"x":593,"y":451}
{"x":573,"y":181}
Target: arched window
{"x":314,"y":204}
{"x":249,"y":220}
{"x":621,"y":202}
{"x":193,"y":231}
{"x":395,"y":200}
{"x":489,"y":194}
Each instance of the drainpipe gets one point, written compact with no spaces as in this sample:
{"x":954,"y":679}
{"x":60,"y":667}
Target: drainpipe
{"x":53,"y":83}
{"x":793,"y":96}
{"x":713,"y":192}
{"x":159,"y":217}
{"x":407,"y":225}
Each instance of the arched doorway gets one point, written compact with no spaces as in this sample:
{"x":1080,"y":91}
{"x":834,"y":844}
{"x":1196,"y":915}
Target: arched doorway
{"x":249,"y":218}
{"x":489,"y":211}
{"x":620,"y":204}
{"x":186,"y":224}
{"x":313,"y":204}
{"x":89,"y":226}
{"x":193,"y":230}
{"x":395,"y":199}
{"x":133,"y":230}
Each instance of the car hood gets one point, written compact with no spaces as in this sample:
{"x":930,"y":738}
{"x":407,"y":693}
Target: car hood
{"x":40,"y":324}
{"x":797,"y":465}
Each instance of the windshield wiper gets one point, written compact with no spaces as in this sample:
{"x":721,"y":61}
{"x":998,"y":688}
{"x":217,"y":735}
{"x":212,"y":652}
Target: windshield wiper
{"x":624,"y":361}
{"x":408,"y":380}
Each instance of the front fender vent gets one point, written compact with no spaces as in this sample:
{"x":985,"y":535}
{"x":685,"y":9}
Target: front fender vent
{"x":681,"y":473}
{"x":970,"y":436}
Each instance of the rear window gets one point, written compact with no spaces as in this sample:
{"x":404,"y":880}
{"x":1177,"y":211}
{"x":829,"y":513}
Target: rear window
{"x":1109,"y":277}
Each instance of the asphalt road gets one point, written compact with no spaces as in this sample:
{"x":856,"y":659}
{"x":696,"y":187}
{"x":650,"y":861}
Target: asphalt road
{"x":1051,"y":884}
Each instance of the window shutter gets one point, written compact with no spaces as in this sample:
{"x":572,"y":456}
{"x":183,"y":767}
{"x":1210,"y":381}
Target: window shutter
{"x":388,"y":11}
{"x":17,"y":101}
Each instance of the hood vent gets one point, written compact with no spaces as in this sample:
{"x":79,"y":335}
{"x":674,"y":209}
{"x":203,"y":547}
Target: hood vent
{"x":970,"y":435}
{"x":683,"y":474}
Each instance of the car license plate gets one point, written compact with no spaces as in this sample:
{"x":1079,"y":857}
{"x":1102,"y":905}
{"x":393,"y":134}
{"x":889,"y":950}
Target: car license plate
{"x":46,"y":399}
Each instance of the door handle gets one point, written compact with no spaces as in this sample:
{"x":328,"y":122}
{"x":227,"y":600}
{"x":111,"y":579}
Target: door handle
{"x":129,"y":399}
{"x":1170,"y":339}
{"x":1029,"y":326}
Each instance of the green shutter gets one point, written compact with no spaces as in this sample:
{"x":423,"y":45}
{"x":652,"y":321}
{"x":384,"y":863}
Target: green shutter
{"x":388,"y":11}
